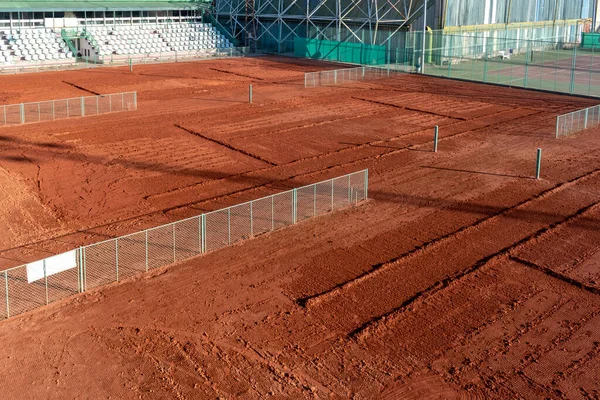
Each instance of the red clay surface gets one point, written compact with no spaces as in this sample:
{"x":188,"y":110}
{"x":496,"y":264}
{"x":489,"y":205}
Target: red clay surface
{"x":462,"y":277}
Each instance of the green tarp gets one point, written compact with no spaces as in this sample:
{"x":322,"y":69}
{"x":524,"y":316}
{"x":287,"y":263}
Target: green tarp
{"x":591,"y":41}
{"x":356,"y":53}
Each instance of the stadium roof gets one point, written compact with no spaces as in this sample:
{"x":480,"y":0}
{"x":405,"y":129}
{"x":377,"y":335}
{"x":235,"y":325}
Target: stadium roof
{"x":105,"y":5}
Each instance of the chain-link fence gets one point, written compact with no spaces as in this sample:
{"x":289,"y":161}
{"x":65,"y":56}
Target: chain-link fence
{"x":556,"y":62}
{"x":576,"y":121}
{"x":345,"y":75}
{"x":24,"y":113}
{"x":42,"y":282}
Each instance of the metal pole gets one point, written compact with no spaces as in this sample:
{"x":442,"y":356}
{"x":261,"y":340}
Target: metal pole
{"x":82,"y":107}
{"x":585,"y":124}
{"x":423,"y":38}
{"x":22,"y":113}
{"x":250,"y":94}
{"x":130,"y":65}
{"x":436,"y":138}
{"x":538,"y":164}
{"x":332,"y":195}
{"x":557,"y":126}
{"x":294,"y":205}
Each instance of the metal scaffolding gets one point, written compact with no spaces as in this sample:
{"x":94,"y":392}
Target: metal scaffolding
{"x":279,"y":21}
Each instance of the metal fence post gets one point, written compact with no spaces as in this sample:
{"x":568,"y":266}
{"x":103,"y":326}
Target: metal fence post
{"x":84,"y":271}
{"x":6,"y":290}
{"x":294,"y":206}
{"x":82,"y":107}
{"x":80,"y":269}
{"x":22,"y":113}
{"x":538,"y":164}
{"x":349,"y":191}
{"x":557,"y":126}
{"x":117,"y":257}
{"x":332,"y":195}
{"x":45,"y":279}
{"x":585,"y":124}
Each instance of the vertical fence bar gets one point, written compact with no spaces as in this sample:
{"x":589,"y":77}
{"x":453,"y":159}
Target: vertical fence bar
{"x":585,"y":123}
{"x":332,"y":195}
{"x":538,"y":164}
{"x":6,"y":290}
{"x":84,"y":270}
{"x":117,"y":257}
{"x":557,"y":126}
{"x":22,"y":113}
{"x":135,"y":100}
{"x":82,"y":106}
{"x":294,"y":206}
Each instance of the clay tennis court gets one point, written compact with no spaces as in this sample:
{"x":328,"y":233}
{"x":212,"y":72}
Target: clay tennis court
{"x":461,"y":277}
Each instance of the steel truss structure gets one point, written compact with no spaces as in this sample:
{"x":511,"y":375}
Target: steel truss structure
{"x":279,"y":21}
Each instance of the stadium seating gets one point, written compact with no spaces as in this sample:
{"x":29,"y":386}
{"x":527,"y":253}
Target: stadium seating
{"x":152,"y":39}
{"x":32,"y":46}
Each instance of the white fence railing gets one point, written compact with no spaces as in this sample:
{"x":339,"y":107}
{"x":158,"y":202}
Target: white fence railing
{"x":577,"y":121}
{"x":24,"y":113}
{"x":39,"y":283}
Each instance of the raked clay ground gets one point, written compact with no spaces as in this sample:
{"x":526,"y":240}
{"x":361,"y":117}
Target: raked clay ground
{"x":461,"y":277}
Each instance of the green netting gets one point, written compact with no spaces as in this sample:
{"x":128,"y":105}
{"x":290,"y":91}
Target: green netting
{"x":356,"y":53}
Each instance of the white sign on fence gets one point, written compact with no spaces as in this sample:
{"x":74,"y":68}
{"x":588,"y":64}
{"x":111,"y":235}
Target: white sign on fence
{"x":54,"y":265}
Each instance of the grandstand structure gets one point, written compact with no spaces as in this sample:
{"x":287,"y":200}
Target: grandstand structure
{"x":67,"y":33}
